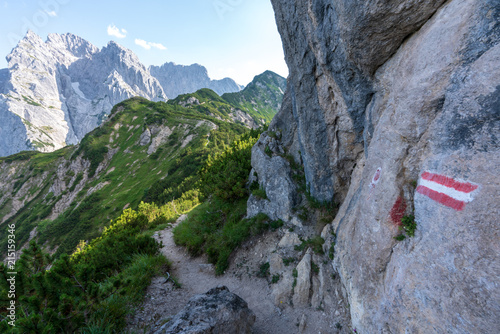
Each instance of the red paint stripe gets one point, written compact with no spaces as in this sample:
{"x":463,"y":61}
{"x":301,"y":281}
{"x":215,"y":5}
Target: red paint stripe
{"x":441,"y":198}
{"x":398,"y":210}
{"x":449,"y":182}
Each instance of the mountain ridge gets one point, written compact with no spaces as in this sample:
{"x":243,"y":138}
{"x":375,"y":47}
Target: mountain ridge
{"x":56,"y":91}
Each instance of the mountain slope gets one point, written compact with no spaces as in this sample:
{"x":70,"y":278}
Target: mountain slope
{"x":146,"y":150}
{"x":262,"y":97}
{"x":59,"y":90}
{"x":180,"y":79}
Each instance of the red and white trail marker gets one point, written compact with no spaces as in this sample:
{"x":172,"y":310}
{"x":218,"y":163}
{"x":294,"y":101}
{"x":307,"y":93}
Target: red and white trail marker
{"x":447,"y":191}
{"x":375,"y":180}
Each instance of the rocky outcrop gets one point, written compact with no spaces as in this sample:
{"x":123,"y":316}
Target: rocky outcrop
{"x":392,"y":108}
{"x":180,"y":79}
{"x":217,"y":311}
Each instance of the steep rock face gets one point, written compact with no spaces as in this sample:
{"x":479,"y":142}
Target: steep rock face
{"x":55,"y":92}
{"x":394,"y":124}
{"x":179,"y":79}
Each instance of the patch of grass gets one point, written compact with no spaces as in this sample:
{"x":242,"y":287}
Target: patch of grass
{"x":263,"y":270}
{"x":260,"y":193}
{"x":315,"y":243}
{"x":331,"y":252}
{"x":288,"y":260}
{"x":268,"y":151}
{"x":217,"y":228}
{"x":409,"y":225}
{"x":314,"y":268}
{"x":31,"y":102}
{"x":78,"y":179}
{"x":272,"y":134}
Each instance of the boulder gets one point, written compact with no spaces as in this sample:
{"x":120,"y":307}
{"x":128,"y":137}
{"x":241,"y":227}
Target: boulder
{"x":303,"y":288}
{"x":217,"y":311}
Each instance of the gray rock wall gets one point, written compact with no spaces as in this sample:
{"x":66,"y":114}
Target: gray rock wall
{"x":393,"y":108}
{"x":181,"y":79}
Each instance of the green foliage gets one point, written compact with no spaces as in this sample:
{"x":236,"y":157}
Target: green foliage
{"x":259,"y":193}
{"x":331,"y":251}
{"x":93,"y":146}
{"x":78,"y":179}
{"x":261,"y":98}
{"x":263,"y":270}
{"x":92,"y":289}
{"x":315,"y":243}
{"x":275,"y":279}
{"x":30,"y":101}
{"x":268,"y":151}
{"x":217,"y":228}
{"x":314,"y":268}
{"x":409,"y":225}
{"x":288,"y":260}
{"x":225,"y":174}
{"x":400,"y":237}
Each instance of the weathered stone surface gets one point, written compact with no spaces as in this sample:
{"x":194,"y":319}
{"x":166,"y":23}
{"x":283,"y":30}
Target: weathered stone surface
{"x":145,"y":138}
{"x":217,"y":311}
{"x":274,"y":175}
{"x":303,"y":288}
{"x":374,"y":117}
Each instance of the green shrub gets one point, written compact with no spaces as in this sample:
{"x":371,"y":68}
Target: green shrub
{"x":316,"y":244}
{"x":331,"y":252}
{"x":263,"y":270}
{"x":409,"y":225}
{"x":217,"y":228}
{"x":268,"y":151}
{"x":314,"y":268}
{"x":92,"y":289}
{"x":260,"y":193}
{"x":225,"y":174}
{"x":275,"y":279}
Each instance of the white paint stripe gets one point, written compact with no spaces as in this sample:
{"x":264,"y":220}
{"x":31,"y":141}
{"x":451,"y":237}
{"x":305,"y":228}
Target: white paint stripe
{"x":458,"y":195}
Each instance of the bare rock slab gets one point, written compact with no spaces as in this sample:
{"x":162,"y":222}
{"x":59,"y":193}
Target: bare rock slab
{"x":217,"y":311}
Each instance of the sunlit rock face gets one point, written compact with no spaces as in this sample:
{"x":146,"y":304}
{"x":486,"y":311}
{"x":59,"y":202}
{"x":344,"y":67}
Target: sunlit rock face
{"x":55,"y":92}
{"x":180,"y":79}
{"x":393,"y":110}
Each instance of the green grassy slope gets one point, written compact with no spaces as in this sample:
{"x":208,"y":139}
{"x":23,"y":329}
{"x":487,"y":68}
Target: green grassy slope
{"x":261,"y":98}
{"x":71,"y":194}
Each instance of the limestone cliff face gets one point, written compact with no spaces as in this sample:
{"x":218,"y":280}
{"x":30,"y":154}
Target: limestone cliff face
{"x":393,"y":108}
{"x":55,"y":92}
{"x":181,"y":79}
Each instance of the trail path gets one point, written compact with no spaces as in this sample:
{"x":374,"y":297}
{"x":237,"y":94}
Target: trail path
{"x":163,"y":300}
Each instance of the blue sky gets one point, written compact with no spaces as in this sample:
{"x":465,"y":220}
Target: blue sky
{"x":232,"y":38}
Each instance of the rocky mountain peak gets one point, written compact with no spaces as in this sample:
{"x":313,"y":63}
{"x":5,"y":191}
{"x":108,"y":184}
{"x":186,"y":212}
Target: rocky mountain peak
{"x":180,"y":79}
{"x":78,"y":46}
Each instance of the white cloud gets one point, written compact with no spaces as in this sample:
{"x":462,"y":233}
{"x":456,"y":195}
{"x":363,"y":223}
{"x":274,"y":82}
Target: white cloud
{"x":142,"y":43}
{"x":51,"y":13}
{"x":158,"y":46}
{"x":149,"y":45}
{"x":116,"y":32}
